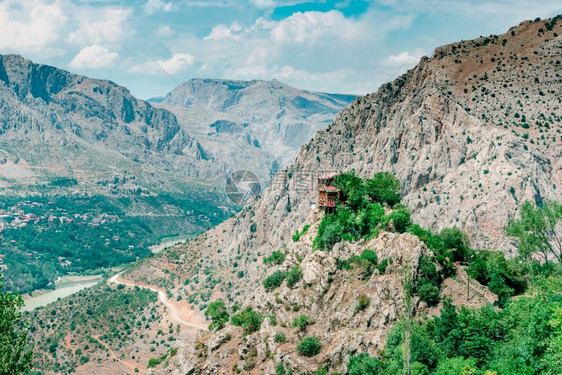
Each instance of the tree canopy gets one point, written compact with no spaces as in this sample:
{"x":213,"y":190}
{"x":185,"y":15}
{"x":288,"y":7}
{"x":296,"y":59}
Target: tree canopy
{"x":15,"y":358}
{"x":538,"y":232}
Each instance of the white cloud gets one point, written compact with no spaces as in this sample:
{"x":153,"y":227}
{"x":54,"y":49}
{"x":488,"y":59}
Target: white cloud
{"x":94,"y":57}
{"x":265,"y":4}
{"x":164,"y":31}
{"x":178,"y":63}
{"x":152,"y":6}
{"x":222,"y":32}
{"x":101,"y":25}
{"x":405,"y":58}
{"x":32,"y":26}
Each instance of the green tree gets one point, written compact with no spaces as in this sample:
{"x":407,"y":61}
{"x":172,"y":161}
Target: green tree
{"x":309,"y":346}
{"x":362,"y":364}
{"x":274,"y":280}
{"x":302,"y":322}
{"x":537,"y":231}
{"x":352,"y":188}
{"x":400,"y":219}
{"x":248,"y":319}
{"x":383,"y":188}
{"x":218,"y":314}
{"x":293,"y":276}
{"x":457,"y":241}
{"x":14,"y":356}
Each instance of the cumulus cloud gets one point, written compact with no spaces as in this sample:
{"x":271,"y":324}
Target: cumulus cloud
{"x":264,"y":4}
{"x":405,"y":58}
{"x":164,"y":31}
{"x":94,"y":57}
{"x":101,"y":25}
{"x":178,"y":63}
{"x":223,"y":32}
{"x":152,"y":6}
{"x":32,"y":26}
{"x":47,"y":28}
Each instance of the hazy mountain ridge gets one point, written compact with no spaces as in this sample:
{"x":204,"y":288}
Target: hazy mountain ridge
{"x":255,"y":125}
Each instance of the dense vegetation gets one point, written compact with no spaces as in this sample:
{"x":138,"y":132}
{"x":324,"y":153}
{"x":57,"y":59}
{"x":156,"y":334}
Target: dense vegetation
{"x":524,"y":337}
{"x":363,"y":214}
{"x":374,"y":204}
{"x":80,"y":234}
{"x":15,"y":358}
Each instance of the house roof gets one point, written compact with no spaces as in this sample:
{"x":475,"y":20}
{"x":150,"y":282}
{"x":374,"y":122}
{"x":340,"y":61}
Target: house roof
{"x":329,"y":189}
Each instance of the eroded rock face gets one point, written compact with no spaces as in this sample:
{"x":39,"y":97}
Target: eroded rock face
{"x":326,"y":295}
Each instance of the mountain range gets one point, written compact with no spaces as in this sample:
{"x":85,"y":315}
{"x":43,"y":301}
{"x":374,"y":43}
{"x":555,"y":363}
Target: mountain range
{"x":58,"y":124}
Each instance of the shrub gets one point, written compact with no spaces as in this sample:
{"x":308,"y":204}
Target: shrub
{"x":400,"y":219}
{"x":428,"y":291}
{"x":362,"y":303}
{"x":218,"y":314}
{"x":330,"y":232}
{"x":370,"y":256}
{"x":427,"y":287}
{"x":383,"y":188}
{"x":248,"y":319}
{"x":280,"y":369}
{"x":309,"y":346}
{"x":362,"y":364}
{"x":457,"y":241}
{"x":383,"y":265}
{"x":293,"y":276}
{"x":274,"y":280}
{"x":504,"y":277}
{"x":352,"y":189}
{"x":277,"y":257}
{"x":279,"y":337}
{"x":302,"y":322}
{"x":297,"y":235}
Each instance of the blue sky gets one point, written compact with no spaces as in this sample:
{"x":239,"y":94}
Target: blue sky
{"x":342,"y":46}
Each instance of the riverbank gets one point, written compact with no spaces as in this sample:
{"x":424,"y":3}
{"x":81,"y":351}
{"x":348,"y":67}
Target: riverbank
{"x":64,"y":287}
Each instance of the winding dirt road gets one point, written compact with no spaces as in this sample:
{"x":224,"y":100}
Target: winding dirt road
{"x":174,"y":313}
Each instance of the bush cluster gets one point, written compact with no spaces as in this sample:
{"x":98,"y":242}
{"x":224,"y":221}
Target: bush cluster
{"x":248,"y":319}
{"x":275,"y":280}
{"x":309,"y":346}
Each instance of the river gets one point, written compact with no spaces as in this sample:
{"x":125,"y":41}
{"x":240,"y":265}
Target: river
{"x":64,"y":287}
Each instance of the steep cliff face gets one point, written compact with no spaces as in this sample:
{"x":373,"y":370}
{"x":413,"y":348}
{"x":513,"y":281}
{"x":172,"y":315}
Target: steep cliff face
{"x":471,"y":132}
{"x":95,"y":110}
{"x":55,"y":123}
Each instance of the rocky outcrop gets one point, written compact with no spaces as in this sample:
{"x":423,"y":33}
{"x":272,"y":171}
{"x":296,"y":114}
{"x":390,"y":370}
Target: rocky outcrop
{"x":328,"y":296}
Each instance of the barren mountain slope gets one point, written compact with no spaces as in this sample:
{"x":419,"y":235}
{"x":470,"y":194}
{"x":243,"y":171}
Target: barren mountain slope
{"x":471,"y":132}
